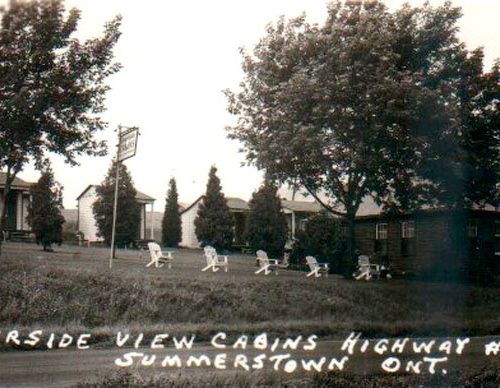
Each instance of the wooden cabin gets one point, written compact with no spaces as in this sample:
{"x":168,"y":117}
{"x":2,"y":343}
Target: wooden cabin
{"x":17,"y":204}
{"x":432,"y":241}
{"x":86,"y":221}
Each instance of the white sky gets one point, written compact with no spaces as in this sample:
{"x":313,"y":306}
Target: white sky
{"x":177,"y":57}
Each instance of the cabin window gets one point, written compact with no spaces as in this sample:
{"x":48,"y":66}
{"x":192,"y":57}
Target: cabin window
{"x":408,"y":247}
{"x":472,"y":228}
{"x":408,"y":229}
{"x":381,"y":239}
{"x":381,"y":231}
{"x":302,"y":224}
{"x":408,"y":238}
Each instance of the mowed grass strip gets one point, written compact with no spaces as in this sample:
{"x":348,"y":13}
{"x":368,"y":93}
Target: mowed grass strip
{"x":72,"y":290}
{"x":488,"y":377}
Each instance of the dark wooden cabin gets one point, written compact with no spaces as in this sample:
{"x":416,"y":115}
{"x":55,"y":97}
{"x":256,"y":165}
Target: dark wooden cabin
{"x":435,"y":243}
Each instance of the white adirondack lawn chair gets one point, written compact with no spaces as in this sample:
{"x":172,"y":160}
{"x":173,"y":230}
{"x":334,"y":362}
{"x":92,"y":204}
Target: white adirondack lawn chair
{"x":266,"y":265}
{"x":158,"y":257}
{"x":316,"y":269}
{"x":366,"y":269}
{"x":214,"y":261}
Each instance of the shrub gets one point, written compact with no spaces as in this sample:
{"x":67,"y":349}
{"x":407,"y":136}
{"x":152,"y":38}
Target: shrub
{"x":322,"y":238}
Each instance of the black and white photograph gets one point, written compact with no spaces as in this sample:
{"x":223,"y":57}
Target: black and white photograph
{"x":267,"y":193}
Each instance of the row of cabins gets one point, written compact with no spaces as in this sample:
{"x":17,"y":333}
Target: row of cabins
{"x":296,"y":213}
{"x":422,"y":240}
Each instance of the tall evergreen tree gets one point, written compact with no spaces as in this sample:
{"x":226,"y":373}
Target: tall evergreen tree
{"x":214,"y":222}
{"x":128,"y":212}
{"x":266,"y":226}
{"x":171,"y":229}
{"x":44,"y":213}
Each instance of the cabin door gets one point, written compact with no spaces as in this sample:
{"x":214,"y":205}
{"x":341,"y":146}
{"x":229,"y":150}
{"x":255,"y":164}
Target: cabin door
{"x":11,"y":211}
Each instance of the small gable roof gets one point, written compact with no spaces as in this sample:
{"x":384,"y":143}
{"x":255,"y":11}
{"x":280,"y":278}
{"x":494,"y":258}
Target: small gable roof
{"x":140,"y":196}
{"x":369,"y":208}
{"x":237,"y":204}
{"x":234,"y":204}
{"x":301,"y":206}
{"x":84,"y":191}
{"x":190,"y":206}
{"x":18,"y":183}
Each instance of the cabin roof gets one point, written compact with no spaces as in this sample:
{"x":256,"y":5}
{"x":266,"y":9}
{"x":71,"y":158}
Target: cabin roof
{"x":140,"y":196}
{"x":18,"y":183}
{"x":301,"y":206}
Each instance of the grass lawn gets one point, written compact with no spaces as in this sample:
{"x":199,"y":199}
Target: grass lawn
{"x":73,"y":290}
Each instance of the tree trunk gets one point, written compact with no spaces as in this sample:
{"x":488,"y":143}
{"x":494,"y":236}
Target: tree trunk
{"x":9,"y":178}
{"x":349,"y":259}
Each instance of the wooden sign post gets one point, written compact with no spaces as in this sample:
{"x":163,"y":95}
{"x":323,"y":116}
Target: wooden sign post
{"x":126,"y":148}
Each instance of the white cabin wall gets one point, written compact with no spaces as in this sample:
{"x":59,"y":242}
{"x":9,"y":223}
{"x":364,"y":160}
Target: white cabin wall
{"x":19,"y":210}
{"x":86,"y":220}
{"x":25,"y":205}
{"x":189,"y":239}
{"x":143,"y":221}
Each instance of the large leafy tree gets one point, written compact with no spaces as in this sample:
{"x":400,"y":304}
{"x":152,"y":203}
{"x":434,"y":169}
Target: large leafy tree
{"x":128,"y":214}
{"x":478,"y":162}
{"x":52,"y":85}
{"x":266,"y":224}
{"x":171,"y":229}
{"x":372,"y":102}
{"x":214,"y":222}
{"x":44,"y":213}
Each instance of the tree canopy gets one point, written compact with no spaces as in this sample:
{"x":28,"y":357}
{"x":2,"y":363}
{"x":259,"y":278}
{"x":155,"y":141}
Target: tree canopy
{"x":52,"y":85}
{"x":128,"y":214}
{"x":266,"y":223}
{"x":171,"y":228}
{"x":44,"y":212}
{"x":372,"y":102}
{"x":214,"y":222}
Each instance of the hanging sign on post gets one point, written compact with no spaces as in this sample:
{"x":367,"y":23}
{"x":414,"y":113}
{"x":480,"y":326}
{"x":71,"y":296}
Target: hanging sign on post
{"x":128,"y":143}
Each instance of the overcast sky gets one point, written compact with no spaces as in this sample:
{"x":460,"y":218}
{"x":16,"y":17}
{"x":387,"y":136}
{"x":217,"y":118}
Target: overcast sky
{"x":177,"y":57}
